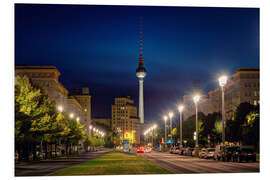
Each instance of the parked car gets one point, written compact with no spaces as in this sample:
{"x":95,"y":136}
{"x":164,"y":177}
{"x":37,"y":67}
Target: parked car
{"x":186,"y":150}
{"x":189,"y":152}
{"x":194,"y":152}
{"x":148,"y":149}
{"x":140,"y":149}
{"x":210,"y":153}
{"x":171,"y":150}
{"x":203,"y":153}
{"x":227,"y":153}
{"x":182,"y":151}
{"x":176,"y":150}
{"x":244,"y":154}
{"x":217,"y":153}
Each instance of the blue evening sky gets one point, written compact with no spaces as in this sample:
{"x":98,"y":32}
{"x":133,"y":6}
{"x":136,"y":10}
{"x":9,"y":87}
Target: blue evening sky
{"x":98,"y":47}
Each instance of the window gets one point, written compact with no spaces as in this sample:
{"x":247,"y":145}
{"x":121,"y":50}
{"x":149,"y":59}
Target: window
{"x":255,"y":102}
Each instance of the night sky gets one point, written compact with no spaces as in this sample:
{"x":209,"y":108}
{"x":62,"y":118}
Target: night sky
{"x":98,"y":47}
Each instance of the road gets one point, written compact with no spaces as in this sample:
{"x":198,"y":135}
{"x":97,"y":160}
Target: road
{"x":47,"y":167}
{"x":187,"y":164}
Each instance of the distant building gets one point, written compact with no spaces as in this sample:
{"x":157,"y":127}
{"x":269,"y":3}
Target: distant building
{"x":125,"y":120}
{"x":82,"y":95}
{"x":244,"y":86}
{"x":103,"y":121}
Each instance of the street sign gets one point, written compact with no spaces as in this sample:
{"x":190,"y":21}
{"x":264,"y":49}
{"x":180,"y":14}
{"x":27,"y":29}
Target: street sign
{"x":169,"y":141}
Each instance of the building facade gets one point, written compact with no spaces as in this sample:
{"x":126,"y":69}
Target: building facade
{"x":244,"y":86}
{"x":47,"y":78}
{"x":125,"y":120}
{"x":103,"y":121}
{"x":82,"y":95}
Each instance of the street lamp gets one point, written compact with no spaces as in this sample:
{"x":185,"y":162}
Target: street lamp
{"x":180,"y":109}
{"x":222,"y":82}
{"x":170,"y":115}
{"x":196,"y":99}
{"x":165,"y":119}
{"x":71,"y":115}
{"x":77,"y":119}
{"x":60,"y":108}
{"x":153,"y":128}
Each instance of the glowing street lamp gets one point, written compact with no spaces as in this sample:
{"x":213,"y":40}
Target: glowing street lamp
{"x":170,"y":116}
{"x":60,"y":108}
{"x":77,"y":119}
{"x":222,"y":82}
{"x":196,"y":99}
{"x":71,"y":115}
{"x":180,"y":109}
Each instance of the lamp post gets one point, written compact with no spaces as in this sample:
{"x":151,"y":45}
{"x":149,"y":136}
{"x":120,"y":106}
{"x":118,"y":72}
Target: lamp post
{"x":196,"y":100}
{"x":180,"y":109}
{"x":222,"y":82}
{"x":71,"y":115}
{"x":154,"y":127}
{"x":170,"y":115}
{"x":60,"y":108}
{"x":165,"y":138}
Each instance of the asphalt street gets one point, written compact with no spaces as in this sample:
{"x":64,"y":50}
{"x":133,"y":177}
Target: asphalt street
{"x":46,"y":167}
{"x":187,"y":164}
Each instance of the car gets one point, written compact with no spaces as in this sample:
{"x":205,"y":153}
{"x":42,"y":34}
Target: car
{"x":227,"y":153}
{"x":176,"y":150}
{"x":185,"y":151}
{"x":182,"y":151}
{"x":140,"y":149}
{"x":188,"y":151}
{"x":203,"y":153}
{"x":171,"y":150}
{"x":244,"y":154}
{"x":210,"y":153}
{"x":217,"y":153}
{"x":194,"y":152}
{"x":148,"y":149}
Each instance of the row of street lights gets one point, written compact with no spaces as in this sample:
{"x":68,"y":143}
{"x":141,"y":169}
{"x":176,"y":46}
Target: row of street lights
{"x":71,"y":115}
{"x":151,"y":129}
{"x":101,"y":133}
{"x":222,"y":82}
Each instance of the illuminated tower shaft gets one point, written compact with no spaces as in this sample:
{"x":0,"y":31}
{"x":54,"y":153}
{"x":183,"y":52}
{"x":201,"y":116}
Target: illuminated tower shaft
{"x":141,"y":73}
{"x":141,"y":109}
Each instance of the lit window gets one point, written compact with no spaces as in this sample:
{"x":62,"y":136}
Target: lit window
{"x":255,"y":102}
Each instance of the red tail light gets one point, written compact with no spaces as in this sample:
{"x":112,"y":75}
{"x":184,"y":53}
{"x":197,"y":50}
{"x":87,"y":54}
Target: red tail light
{"x":243,"y":154}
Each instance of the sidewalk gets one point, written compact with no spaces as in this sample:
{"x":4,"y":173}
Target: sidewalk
{"x":46,"y":167}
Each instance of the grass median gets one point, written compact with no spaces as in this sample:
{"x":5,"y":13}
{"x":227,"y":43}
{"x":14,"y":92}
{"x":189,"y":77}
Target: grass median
{"x":114,"y":163}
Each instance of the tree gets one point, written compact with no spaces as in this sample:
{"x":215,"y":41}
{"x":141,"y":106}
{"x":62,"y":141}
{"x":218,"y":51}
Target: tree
{"x":28,"y":102}
{"x":251,"y":128}
{"x":189,"y":127}
{"x":235,"y":126}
